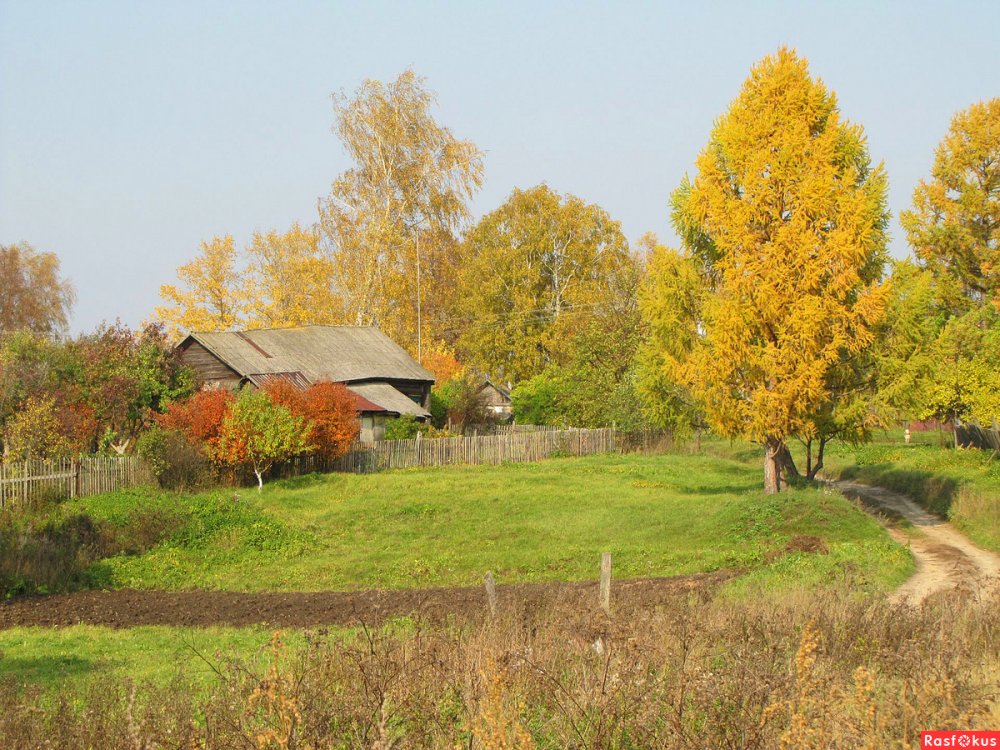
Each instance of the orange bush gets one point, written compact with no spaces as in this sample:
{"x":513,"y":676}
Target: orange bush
{"x":330,"y":407}
{"x":327,"y":407}
{"x":200,"y":416}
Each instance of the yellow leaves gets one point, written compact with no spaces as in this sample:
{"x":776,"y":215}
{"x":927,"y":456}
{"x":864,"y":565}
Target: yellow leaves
{"x":285,"y":280}
{"x":391,"y":220}
{"x":290,"y":282}
{"x":787,"y":222}
{"x":212,"y":298}
{"x":534,"y":272}
{"x":955,"y":225}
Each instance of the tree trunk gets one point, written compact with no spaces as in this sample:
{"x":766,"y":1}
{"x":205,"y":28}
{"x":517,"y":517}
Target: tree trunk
{"x":809,"y":458}
{"x":697,"y":440}
{"x":260,"y":480}
{"x":772,"y":480}
{"x":813,"y":471}
{"x":786,"y":464}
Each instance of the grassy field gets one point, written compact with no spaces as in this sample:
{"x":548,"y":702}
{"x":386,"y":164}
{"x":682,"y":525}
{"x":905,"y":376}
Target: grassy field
{"x":548,"y":521}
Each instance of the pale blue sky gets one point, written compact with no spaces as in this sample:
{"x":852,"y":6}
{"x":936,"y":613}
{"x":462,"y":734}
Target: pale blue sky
{"x":131,"y":131}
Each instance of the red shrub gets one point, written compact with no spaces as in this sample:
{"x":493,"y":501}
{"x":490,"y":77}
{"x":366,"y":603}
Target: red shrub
{"x":330,"y":407}
{"x":200,"y":416}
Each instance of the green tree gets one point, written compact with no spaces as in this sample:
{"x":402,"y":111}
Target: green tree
{"x":259,"y":433}
{"x":943,"y":341}
{"x":785,"y":224}
{"x":671,"y":298}
{"x":533,"y":272}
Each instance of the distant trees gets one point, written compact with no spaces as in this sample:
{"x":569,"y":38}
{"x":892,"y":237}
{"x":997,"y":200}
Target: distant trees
{"x":784,"y":226}
{"x":532,"y":273}
{"x":383,"y":251}
{"x":35,"y":297}
{"x":288,"y":281}
{"x":954,"y":226}
{"x":212,"y":297}
{"x":102,"y":389}
{"x":940,"y":353}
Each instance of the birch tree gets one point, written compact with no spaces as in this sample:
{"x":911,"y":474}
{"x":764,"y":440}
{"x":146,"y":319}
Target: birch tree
{"x":533,"y":272}
{"x":390,"y":222}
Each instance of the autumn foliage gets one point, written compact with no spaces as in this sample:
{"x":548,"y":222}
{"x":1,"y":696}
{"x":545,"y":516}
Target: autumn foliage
{"x":328,"y":411}
{"x":784,"y":233}
{"x":261,"y":428}
{"x":200,"y":416}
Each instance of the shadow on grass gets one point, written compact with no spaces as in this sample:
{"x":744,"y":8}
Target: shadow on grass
{"x":48,"y":669}
{"x":932,"y":492}
{"x":719,"y":489}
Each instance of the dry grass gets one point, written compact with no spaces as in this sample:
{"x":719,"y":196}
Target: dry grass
{"x":830,"y":672}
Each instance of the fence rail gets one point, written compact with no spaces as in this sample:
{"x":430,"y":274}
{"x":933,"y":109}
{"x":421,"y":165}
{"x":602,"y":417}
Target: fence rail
{"x":25,"y":482}
{"x":518,"y":447}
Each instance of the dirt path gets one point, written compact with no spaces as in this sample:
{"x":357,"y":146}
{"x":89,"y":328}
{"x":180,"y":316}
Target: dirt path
{"x":946,"y":559}
{"x":129,"y":608}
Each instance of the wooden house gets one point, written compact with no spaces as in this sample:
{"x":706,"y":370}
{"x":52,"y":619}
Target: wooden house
{"x":385,"y":380}
{"x":496,"y":399}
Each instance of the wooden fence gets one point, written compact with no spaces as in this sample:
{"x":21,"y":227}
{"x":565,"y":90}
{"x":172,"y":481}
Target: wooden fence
{"x":366,"y":458}
{"x":23,"y":483}
{"x":974,"y":435}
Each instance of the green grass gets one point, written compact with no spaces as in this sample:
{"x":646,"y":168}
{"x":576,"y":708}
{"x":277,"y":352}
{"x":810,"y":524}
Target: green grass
{"x":74,"y":656}
{"x":657,"y":515}
{"x":547,"y":521}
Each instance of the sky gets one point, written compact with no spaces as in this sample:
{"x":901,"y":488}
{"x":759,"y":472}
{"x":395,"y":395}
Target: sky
{"x":132,"y":131}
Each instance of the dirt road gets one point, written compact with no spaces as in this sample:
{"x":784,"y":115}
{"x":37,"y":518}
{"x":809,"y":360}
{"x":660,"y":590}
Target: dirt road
{"x":946,"y":559}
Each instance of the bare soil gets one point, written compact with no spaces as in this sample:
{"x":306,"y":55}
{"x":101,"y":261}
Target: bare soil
{"x":130,"y":608}
{"x":946,"y":559}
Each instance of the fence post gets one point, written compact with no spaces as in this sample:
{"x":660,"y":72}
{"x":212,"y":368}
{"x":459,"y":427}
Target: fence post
{"x":491,"y":592}
{"x":75,"y":467}
{"x":606,"y":582}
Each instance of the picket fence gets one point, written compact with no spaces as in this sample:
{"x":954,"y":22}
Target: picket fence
{"x":509,"y":447}
{"x":25,"y":482}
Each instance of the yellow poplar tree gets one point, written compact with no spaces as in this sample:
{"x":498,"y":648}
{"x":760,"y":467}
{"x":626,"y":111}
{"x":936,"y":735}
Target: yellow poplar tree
{"x":212,"y":295}
{"x":290,"y":280}
{"x":785,"y":221}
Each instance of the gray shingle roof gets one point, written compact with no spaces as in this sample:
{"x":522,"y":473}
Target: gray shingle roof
{"x":338,"y":353}
{"x":389,"y":398}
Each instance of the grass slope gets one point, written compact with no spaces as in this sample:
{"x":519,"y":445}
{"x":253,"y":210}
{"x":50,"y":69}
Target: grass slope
{"x":657,"y":515}
{"x":960,"y":485}
{"x":73,"y":656}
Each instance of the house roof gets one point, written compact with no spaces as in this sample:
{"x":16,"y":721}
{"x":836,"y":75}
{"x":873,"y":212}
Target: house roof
{"x":387,"y":397}
{"x":337,"y":353}
{"x":504,"y":393}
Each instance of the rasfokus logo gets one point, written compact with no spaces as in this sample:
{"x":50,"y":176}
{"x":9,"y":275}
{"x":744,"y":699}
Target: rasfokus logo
{"x":960,"y":739}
